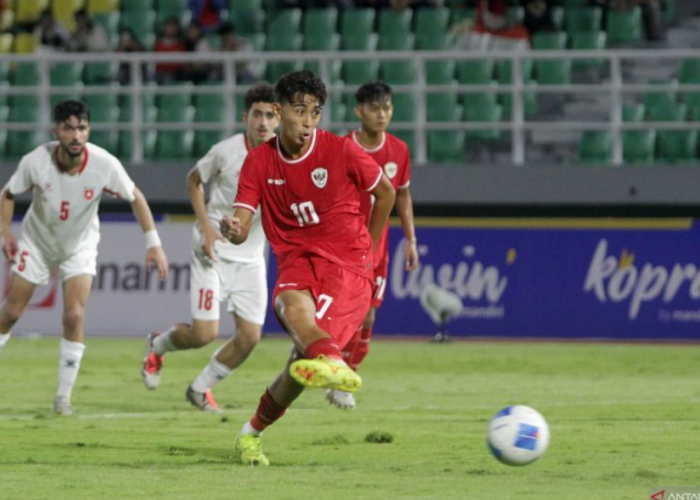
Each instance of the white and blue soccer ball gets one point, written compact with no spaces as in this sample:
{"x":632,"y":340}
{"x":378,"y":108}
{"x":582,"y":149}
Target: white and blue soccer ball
{"x":518,"y":435}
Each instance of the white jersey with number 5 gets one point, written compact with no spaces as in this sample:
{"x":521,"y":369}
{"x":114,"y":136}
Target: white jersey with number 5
{"x":221,"y":167}
{"x":62,"y":218}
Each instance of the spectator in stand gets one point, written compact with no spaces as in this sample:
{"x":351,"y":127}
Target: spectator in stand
{"x":52,"y":35}
{"x":170,"y":40}
{"x":128,"y":43}
{"x":230,"y":42}
{"x":88,"y":36}
{"x":538,"y":16}
{"x":195,"y":42}
{"x":207,"y":13}
{"x":492,"y":29}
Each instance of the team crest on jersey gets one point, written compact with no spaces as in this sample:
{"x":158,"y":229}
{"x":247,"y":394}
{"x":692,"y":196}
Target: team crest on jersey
{"x":320,"y":177}
{"x":391,"y":169}
{"x":89,"y":193}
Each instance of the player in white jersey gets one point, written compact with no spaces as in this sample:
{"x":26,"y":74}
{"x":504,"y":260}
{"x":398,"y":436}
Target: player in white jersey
{"x":221,"y":271}
{"x":61,"y":229}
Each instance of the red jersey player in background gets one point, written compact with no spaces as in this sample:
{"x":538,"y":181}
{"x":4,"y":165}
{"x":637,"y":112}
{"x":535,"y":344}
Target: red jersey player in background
{"x":375,"y":108}
{"x":309,"y":184}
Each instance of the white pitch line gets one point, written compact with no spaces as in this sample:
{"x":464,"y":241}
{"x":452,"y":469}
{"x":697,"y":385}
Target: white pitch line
{"x":107,"y":416}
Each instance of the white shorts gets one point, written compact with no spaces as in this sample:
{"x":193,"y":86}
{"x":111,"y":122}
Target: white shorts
{"x":243,"y":286}
{"x":31,"y":264}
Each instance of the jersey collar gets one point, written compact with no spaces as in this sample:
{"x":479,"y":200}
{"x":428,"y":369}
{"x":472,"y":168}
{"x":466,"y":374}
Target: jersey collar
{"x":373,"y":150}
{"x":82,"y":167}
{"x":298,"y":160}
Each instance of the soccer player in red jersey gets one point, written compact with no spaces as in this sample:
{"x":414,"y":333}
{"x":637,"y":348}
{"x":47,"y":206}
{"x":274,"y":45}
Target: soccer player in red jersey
{"x":375,"y":108}
{"x":309,"y":183}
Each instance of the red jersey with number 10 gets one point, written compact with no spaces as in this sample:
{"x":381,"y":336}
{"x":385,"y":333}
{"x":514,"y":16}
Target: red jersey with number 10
{"x":311,"y":205}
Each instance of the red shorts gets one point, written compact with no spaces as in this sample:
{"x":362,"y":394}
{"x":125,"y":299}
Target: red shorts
{"x":381,"y":269}
{"x":342,"y":297}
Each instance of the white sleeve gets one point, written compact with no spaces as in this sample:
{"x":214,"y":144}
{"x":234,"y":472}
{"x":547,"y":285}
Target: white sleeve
{"x":21,"y":180}
{"x":120,"y":184}
{"x":209,"y":165}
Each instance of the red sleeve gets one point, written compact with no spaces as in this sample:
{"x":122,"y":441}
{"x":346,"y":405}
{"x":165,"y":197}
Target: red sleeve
{"x":363,"y":169}
{"x":249,"y":191}
{"x":405,"y":169}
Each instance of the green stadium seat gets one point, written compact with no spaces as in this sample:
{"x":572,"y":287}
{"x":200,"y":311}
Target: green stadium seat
{"x":338,"y":107}
{"x":432,"y":22}
{"x":4,"y":115}
{"x":63,"y":96}
{"x":638,"y":146}
{"x":624,"y":26}
{"x":174,"y":145}
{"x":589,"y":41}
{"x":320,"y":21}
{"x":125,"y":146}
{"x":25,"y":74}
{"x":487,"y":113}
{"x":692,"y":101}
{"x":360,"y":72}
{"x":393,"y":42}
{"x":286,"y":42}
{"x":327,"y":41}
{"x":357,"y":22}
{"x":443,"y":108}
{"x":446,"y":146}
{"x":215,"y":100}
{"x":690,"y":71}
{"x":551,"y":72}
{"x":440,"y":72}
{"x":550,"y":40}
{"x":28,"y":11}
{"x":348,"y":104}
{"x":240,"y":5}
{"x":3,"y":142}
{"x":166,"y":8}
{"x":633,"y":112}
{"x":24,"y":109}
{"x":178,"y":100}
{"x":100,"y":73}
{"x":404,"y":108}
{"x":204,"y":140}
{"x":660,"y":99}
{"x":395,"y":22}
{"x":140,"y":5}
{"x":671,"y":113}
{"x":441,"y":41}
{"x":257,"y":40}
{"x":458,"y":16}
{"x":208,"y":114}
{"x":107,"y":139}
{"x":398,"y":72}
{"x":110,"y":22}
{"x":66,"y":73}
{"x":4,"y":72}
{"x":595,"y":147}
{"x":584,"y":20}
{"x":677,"y":146}
{"x":19,"y":143}
{"x":558,"y":17}
{"x":475,"y":72}
{"x":285,"y":22}
{"x":516,"y":15}
{"x":248,"y":22}
{"x":140,"y":22}
{"x":109,"y":99}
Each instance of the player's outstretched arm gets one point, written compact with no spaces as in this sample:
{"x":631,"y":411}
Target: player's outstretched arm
{"x":7,"y":210}
{"x":384,"y":197}
{"x":404,"y":207}
{"x":195,"y":188}
{"x":155,"y":254}
{"x":235,"y":227}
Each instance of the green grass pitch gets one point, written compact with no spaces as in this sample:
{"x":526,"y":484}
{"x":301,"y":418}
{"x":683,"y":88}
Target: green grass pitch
{"x":623,"y":419}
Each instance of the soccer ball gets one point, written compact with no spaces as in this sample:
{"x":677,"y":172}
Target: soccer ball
{"x":518,"y":435}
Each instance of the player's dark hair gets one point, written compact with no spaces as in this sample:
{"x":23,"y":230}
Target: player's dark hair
{"x":376,"y":91}
{"x":65,"y":109}
{"x":262,"y":92}
{"x":301,"y":83}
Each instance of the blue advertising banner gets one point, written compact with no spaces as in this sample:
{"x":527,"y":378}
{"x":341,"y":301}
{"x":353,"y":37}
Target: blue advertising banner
{"x":550,"y":278}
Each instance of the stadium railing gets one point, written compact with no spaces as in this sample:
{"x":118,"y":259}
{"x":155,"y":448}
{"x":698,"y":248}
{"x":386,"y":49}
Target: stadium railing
{"x":517,"y":124}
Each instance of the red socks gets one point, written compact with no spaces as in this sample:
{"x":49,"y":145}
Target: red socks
{"x":326,"y":347}
{"x":357,"y":348}
{"x":268,"y":412}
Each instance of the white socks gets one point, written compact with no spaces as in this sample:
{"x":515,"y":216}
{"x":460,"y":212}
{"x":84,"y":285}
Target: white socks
{"x":163,"y":344}
{"x":249,"y":429}
{"x":212,"y":374}
{"x":4,"y":337}
{"x":68,"y":366}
